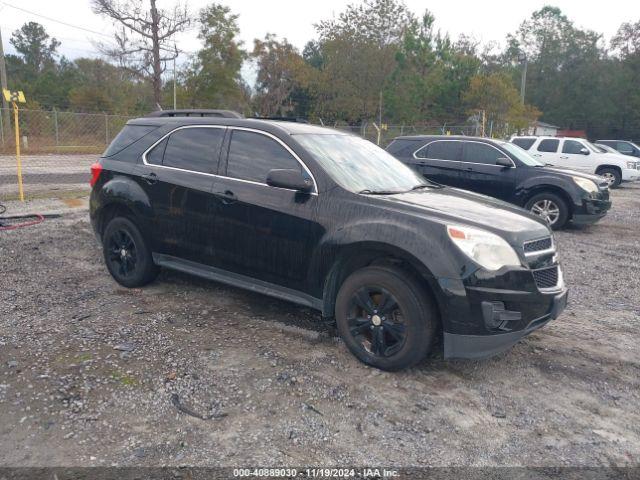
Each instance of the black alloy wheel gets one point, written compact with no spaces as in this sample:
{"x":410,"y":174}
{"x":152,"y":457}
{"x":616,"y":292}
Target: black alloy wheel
{"x":126,"y":254}
{"x":376,"y":321}
{"x":386,"y":317}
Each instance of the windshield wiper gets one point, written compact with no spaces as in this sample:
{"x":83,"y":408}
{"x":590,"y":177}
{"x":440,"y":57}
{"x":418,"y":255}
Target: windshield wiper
{"x":426,"y":185}
{"x":366,"y":191}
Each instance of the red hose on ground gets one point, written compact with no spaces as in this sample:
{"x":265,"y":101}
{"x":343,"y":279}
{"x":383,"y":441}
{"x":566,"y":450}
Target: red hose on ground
{"x":38,"y":219}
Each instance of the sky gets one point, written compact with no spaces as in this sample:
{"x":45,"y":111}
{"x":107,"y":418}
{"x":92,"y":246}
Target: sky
{"x":487,"y":21}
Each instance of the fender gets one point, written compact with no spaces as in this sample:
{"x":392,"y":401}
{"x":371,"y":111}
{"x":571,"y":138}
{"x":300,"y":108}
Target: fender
{"x":554,"y":182}
{"x":124,"y":191}
{"x":342,"y":246}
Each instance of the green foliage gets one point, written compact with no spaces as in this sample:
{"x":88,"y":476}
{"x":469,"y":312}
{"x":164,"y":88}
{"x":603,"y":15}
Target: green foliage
{"x":212,"y":79}
{"x":374,"y":58}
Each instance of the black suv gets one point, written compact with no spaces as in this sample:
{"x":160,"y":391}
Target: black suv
{"x":327,"y":220}
{"x":505,"y":171}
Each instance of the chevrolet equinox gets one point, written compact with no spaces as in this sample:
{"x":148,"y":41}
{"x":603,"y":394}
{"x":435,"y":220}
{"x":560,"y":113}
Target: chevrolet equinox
{"x":327,"y":220}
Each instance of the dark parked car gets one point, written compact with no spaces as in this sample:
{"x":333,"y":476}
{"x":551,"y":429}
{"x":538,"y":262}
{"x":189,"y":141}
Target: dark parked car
{"x":505,"y":171}
{"x":327,"y":220}
{"x":625,"y":147}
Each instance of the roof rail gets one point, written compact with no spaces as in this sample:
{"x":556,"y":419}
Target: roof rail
{"x":196,"y":113}
{"x":283,"y":119}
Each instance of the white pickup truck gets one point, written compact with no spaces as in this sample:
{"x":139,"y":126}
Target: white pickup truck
{"x":580,"y":154}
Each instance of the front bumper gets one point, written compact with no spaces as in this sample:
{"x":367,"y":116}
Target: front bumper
{"x":480,"y":346}
{"x":591,"y":210}
{"x":630,"y":175}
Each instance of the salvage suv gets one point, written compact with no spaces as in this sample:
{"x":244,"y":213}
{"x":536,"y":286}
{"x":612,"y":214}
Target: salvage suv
{"x":327,"y":220}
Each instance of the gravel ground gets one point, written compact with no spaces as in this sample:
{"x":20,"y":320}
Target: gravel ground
{"x":95,"y":374}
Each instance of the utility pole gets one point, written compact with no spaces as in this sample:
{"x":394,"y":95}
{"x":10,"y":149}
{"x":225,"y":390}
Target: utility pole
{"x":6,"y":125}
{"x":174,"y":77}
{"x":523,"y":83}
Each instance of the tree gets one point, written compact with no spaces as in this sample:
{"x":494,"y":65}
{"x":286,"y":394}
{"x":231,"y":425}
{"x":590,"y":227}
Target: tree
{"x":213,"y":77}
{"x":37,"y":48}
{"x":499,"y":99}
{"x":281,"y":70}
{"x":143,"y":45}
{"x":359,"y":55}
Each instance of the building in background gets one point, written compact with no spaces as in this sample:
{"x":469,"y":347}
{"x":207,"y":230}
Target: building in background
{"x":543,"y":129}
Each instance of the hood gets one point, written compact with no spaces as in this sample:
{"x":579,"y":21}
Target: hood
{"x":567,"y":172}
{"x":460,"y":207}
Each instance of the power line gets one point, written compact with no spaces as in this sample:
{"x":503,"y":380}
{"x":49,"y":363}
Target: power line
{"x":57,"y":21}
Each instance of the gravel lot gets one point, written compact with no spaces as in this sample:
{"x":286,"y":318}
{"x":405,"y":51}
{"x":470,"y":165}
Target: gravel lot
{"x":95,"y":374}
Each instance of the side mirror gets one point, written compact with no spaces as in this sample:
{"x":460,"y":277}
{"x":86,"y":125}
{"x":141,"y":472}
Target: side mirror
{"x":292,"y":179}
{"x":504,"y":162}
{"x":584,"y":151}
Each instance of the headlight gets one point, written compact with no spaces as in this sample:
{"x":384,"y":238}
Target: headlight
{"x":586,"y":184}
{"x":486,"y":249}
{"x":631,"y":165}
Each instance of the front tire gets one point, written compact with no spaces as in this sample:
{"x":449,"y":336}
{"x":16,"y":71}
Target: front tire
{"x":126,"y":254}
{"x":612,"y":176}
{"x":551,"y":208}
{"x":385,"y":317}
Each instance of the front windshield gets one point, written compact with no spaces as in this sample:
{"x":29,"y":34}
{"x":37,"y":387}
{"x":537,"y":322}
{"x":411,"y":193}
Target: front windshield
{"x":521,"y":154}
{"x":358,"y":165}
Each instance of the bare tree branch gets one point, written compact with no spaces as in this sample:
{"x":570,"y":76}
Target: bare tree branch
{"x":145,"y":33}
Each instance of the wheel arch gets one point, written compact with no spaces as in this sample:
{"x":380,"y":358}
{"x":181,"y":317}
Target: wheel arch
{"x":613,"y":167}
{"x":362,"y":254}
{"x":551,"y":189}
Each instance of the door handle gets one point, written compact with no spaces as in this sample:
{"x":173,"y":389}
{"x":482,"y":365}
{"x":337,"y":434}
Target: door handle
{"x":564,"y":158}
{"x":150,"y":178}
{"x":537,"y":155}
{"x":227,"y":197}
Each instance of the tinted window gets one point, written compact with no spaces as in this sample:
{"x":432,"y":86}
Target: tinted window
{"x":481,"y":153}
{"x":195,"y":149}
{"x":442,"y":150}
{"x":548,"y":145}
{"x":403,"y":148}
{"x":524,"y":143}
{"x":128,"y":135}
{"x":624,"y":147}
{"x":155,"y":155}
{"x":571,"y":146}
{"x":252,"y":155}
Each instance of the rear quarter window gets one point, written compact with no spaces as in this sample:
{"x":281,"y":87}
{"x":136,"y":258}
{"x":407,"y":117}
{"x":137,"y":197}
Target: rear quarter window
{"x":127,"y":136}
{"x":524,"y":143}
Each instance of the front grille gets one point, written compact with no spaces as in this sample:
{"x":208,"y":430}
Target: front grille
{"x":546,"y":277}
{"x":538,"y":245}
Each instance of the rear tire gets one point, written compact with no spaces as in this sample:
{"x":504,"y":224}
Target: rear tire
{"x":550,"y":207}
{"x":613,"y":177}
{"x":385,"y":317}
{"x":126,"y":254}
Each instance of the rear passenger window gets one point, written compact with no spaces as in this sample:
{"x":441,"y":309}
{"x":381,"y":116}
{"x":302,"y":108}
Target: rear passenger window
{"x":571,"y":146}
{"x":195,"y":149}
{"x":252,"y":155}
{"x":548,"y":145}
{"x":481,"y":153}
{"x":524,"y":143}
{"x":442,"y":150}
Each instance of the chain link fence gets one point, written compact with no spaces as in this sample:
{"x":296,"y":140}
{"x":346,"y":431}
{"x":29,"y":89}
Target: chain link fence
{"x":58,"y":147}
